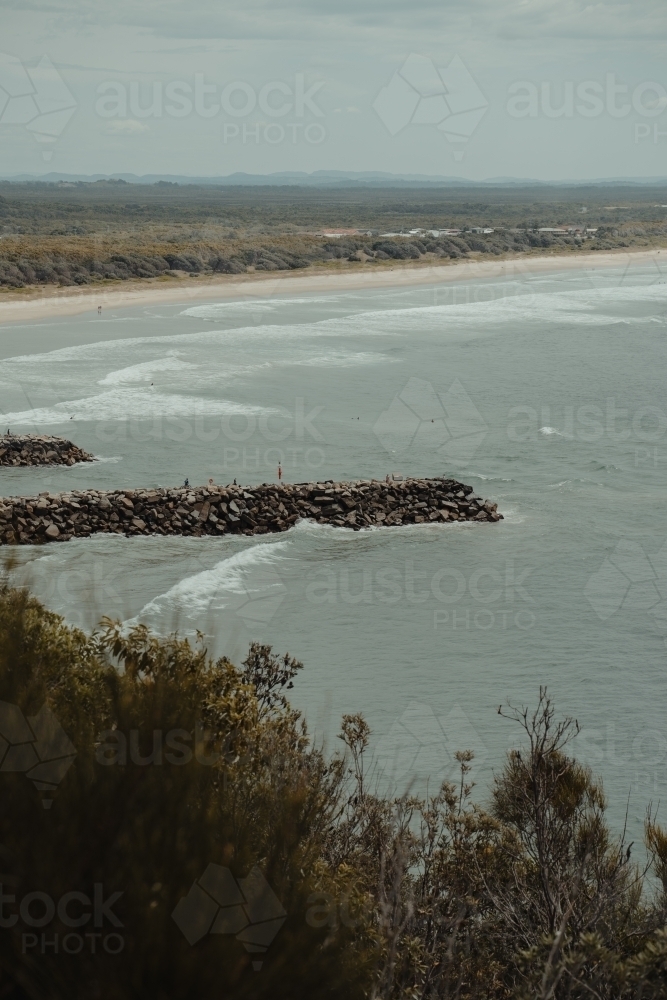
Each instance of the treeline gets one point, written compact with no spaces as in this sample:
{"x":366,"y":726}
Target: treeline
{"x":85,"y":207}
{"x":199,"y":843}
{"x":76,"y":260}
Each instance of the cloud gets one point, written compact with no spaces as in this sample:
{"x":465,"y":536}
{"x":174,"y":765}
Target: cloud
{"x":352,"y":49}
{"x":271,"y":19}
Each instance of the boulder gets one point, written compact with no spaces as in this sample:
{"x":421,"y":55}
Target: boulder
{"x":268,"y":507}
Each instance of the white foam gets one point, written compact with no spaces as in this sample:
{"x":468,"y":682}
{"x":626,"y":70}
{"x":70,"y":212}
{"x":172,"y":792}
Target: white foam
{"x":342,"y":359}
{"x":587,"y":306}
{"x":214,"y":360}
{"x":236,"y":581}
{"x":222,"y":309}
{"x":492,"y":479}
{"x":551,"y":431}
{"x":218,"y":310}
{"x":42,"y":389}
{"x":145,"y":371}
{"x":134,"y":404}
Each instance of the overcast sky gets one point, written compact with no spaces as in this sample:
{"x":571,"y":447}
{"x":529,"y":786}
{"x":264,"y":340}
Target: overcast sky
{"x":548,"y":89}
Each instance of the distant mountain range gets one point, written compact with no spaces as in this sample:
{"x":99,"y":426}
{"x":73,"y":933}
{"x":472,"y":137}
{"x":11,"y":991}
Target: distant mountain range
{"x":329,"y":178}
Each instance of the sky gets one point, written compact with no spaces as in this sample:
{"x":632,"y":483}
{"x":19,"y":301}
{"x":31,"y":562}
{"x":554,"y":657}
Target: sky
{"x":542,"y":89}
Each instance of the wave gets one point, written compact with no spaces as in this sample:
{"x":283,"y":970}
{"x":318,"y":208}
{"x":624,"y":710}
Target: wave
{"x":341,"y":359}
{"x":246,"y":583}
{"x":218,"y":310}
{"x":145,"y":371}
{"x":42,"y":389}
{"x":136,"y":404}
{"x":208,"y":365}
{"x":603,"y":467}
{"x":552,"y":431}
{"x":575,"y":307}
{"x":511,"y":516}
{"x":490,"y":479}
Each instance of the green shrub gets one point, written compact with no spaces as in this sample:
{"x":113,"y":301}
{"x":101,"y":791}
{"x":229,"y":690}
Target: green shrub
{"x":158,"y":762}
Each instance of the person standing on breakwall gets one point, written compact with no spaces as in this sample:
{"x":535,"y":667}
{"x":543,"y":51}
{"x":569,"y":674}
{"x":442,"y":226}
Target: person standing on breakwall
{"x":280,"y":472}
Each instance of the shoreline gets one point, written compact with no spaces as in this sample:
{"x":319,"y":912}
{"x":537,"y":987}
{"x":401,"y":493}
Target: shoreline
{"x":17,"y":307}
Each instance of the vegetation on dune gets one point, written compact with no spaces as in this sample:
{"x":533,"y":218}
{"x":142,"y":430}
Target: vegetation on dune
{"x":183,"y":762}
{"x":75,"y":234}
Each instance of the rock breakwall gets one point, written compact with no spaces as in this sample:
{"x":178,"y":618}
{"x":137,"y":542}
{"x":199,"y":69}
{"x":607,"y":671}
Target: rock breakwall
{"x":218,"y":510}
{"x":38,"y":449}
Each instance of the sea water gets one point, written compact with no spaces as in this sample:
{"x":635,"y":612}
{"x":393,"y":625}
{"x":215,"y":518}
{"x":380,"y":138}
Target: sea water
{"x":546,"y":394}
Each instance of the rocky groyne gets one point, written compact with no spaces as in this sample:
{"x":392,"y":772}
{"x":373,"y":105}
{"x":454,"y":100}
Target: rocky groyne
{"x":39,"y":449}
{"x":255,"y":510}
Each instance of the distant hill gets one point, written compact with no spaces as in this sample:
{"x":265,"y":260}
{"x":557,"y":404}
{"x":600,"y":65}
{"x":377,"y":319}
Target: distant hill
{"x":328,"y":178}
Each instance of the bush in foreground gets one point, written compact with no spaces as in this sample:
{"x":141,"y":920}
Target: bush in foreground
{"x":196,"y":843}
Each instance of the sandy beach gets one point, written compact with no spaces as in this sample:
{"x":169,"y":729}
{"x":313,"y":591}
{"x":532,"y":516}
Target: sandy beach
{"x":16,"y":307}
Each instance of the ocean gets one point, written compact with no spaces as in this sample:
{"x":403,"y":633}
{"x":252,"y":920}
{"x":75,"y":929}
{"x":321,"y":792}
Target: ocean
{"x":546,"y":394}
